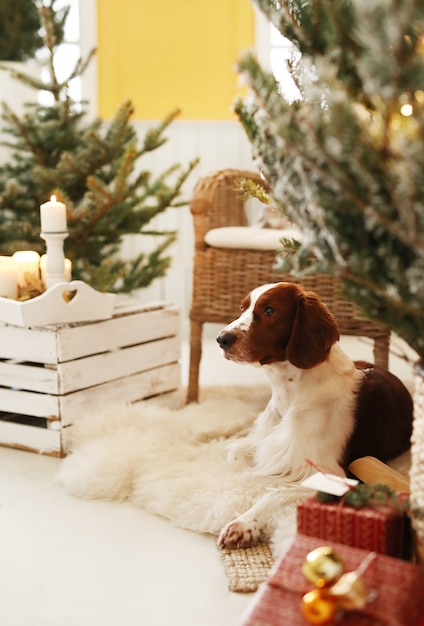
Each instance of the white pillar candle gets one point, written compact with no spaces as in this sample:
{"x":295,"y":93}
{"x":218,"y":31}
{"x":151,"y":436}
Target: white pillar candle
{"x":8,"y":278}
{"x":53,"y":216}
{"x":27,"y":262}
{"x":43,"y":269}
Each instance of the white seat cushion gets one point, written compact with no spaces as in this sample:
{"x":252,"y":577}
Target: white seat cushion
{"x":248,"y":238}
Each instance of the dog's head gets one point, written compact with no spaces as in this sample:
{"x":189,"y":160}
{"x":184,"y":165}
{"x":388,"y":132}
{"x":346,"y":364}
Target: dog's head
{"x":280,"y":322}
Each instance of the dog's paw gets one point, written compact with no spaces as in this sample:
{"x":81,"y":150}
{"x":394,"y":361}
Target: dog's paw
{"x":239,"y":534}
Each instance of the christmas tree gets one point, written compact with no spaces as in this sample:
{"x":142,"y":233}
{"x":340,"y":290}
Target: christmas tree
{"x":95,"y":170}
{"x":345,"y":161}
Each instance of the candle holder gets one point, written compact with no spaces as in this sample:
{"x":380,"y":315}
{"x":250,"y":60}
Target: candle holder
{"x":61,"y":304}
{"x":55,"y":263}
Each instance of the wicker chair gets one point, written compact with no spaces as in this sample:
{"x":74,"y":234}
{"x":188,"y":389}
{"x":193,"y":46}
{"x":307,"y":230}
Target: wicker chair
{"x":223,"y":276}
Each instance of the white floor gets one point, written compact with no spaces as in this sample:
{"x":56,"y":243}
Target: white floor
{"x":68,"y":562}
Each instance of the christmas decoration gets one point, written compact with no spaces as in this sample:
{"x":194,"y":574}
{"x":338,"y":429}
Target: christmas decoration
{"x":322,"y":567}
{"x":372,"y":589}
{"x":365,"y":494}
{"x":369,"y":524}
{"x":336,"y":589}
{"x":94,"y":168}
{"x":346,"y":161}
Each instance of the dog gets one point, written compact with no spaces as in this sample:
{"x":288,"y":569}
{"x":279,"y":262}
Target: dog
{"x":325,"y":409}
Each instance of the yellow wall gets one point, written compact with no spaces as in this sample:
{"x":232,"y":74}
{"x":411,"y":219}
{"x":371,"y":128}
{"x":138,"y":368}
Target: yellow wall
{"x":166,"y":54}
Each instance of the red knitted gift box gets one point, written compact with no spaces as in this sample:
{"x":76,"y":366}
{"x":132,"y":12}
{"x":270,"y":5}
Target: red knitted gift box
{"x":380,"y":529}
{"x":399,"y":587}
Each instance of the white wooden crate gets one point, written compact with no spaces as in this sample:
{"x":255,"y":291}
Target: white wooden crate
{"x":49,"y":374}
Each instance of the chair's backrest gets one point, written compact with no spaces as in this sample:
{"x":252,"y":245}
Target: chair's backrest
{"x":216,"y":201}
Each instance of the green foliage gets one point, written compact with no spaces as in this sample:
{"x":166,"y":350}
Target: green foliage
{"x":345,"y":163}
{"x":365,"y":495}
{"x":95,"y":169}
{"x":20,"y":26}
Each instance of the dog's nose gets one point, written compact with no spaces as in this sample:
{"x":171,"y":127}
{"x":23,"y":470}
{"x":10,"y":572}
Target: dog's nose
{"x":226,"y":340}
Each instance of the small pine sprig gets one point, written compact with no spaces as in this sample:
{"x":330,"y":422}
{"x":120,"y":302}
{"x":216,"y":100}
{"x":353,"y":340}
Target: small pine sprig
{"x":249,"y":189}
{"x":366,"y":495}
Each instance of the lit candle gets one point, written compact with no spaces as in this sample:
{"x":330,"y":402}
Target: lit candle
{"x":43,"y":269}
{"x":8,"y":278}
{"x":27,"y":263}
{"x":53,"y":216}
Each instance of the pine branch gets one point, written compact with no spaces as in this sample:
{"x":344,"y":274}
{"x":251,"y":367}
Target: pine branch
{"x":153,"y":138}
{"x":31,"y":142}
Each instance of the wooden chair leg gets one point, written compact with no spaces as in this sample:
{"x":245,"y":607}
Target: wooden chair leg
{"x":381,"y":351}
{"x":196,"y":329}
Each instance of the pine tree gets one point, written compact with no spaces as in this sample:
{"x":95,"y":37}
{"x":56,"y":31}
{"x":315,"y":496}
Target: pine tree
{"x":346,"y":160}
{"x":95,"y":169}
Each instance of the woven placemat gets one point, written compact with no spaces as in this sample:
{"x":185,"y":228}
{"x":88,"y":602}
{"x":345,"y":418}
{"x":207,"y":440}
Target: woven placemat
{"x":247,"y":569}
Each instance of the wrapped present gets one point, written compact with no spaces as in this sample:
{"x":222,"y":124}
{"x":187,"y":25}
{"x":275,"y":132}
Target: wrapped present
{"x":394,"y":591}
{"x":381,"y":527}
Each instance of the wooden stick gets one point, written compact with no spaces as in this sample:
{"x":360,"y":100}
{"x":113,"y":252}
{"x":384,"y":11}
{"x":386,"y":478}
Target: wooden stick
{"x":371,"y":470}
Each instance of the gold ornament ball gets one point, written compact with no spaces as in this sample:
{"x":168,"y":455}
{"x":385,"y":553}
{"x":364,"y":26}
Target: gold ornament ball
{"x":318,"y":609}
{"x":323,"y":567}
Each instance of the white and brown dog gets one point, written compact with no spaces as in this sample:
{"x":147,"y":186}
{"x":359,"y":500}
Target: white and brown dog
{"x":324,"y":408}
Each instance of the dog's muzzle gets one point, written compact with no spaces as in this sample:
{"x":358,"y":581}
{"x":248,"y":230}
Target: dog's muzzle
{"x":226,"y":340}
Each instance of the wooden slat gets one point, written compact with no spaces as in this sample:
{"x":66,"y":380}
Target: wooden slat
{"x":74,"y":375}
{"x":119,"y":392}
{"x":29,"y":377}
{"x":78,"y":341}
{"x":28,"y":344}
{"x":44,"y":385}
{"x":28,"y":403}
{"x":134,"y":323}
{"x":103,"y":368}
{"x":126,"y":304}
{"x":31,"y":438}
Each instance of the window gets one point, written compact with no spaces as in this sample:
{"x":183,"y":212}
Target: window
{"x":275,"y":53}
{"x":67,"y":53}
{"x":282,"y":54}
{"x":78,"y":41}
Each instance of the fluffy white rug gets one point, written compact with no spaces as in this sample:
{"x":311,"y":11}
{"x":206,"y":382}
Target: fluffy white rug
{"x":172,"y":461}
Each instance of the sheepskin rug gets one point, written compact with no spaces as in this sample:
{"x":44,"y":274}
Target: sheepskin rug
{"x":171,"y":460}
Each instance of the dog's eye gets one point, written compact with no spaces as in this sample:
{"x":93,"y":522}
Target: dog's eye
{"x":269,"y":311}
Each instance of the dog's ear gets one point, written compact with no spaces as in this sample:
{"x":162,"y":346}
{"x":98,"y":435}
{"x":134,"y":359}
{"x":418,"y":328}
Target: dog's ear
{"x":313,"y":333}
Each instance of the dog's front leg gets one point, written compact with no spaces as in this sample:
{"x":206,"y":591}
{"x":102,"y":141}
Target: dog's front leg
{"x":266,"y":421}
{"x":252,"y":527}
{"x":241,"y":452}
